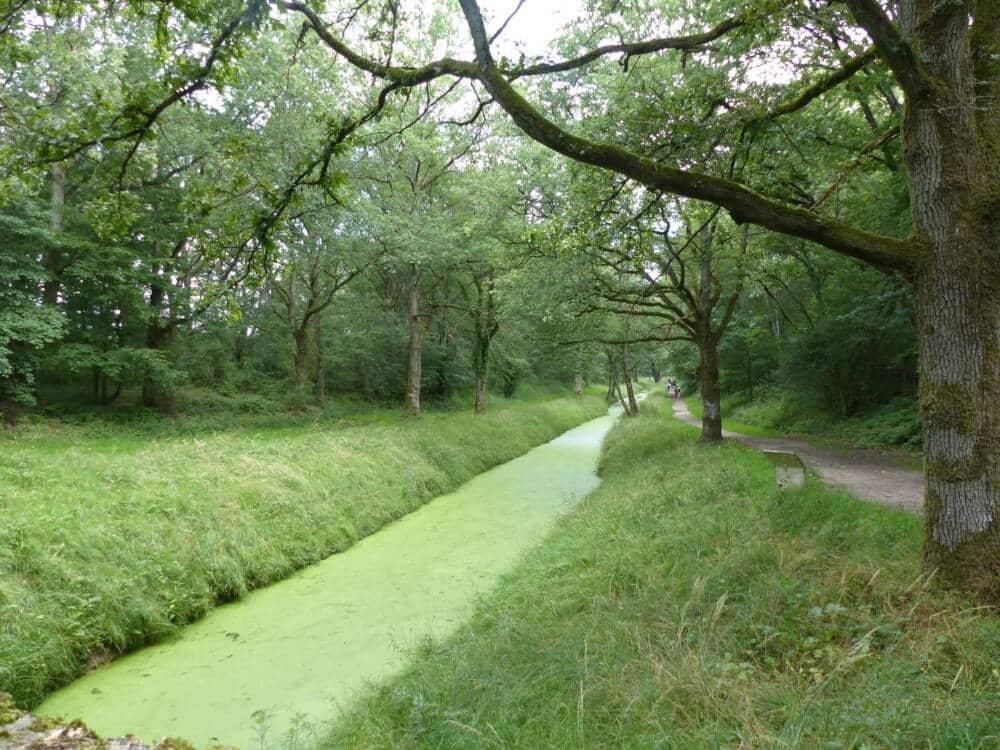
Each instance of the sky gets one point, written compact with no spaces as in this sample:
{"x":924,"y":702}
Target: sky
{"x":533,"y":28}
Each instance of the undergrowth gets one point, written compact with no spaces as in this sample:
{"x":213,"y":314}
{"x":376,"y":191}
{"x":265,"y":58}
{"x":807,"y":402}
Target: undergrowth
{"x":688,"y":604}
{"x":892,"y":425}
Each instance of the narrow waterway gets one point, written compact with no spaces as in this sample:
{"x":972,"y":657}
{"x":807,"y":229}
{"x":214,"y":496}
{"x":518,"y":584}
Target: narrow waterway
{"x":304,"y":647}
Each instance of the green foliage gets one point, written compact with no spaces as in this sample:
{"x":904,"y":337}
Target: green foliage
{"x":895,"y":424}
{"x":687,"y":603}
{"x":25,"y":328}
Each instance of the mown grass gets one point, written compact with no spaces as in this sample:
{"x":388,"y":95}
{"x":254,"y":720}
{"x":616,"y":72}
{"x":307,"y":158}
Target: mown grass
{"x":892,"y":425}
{"x":687,"y":604}
{"x":109,"y":541}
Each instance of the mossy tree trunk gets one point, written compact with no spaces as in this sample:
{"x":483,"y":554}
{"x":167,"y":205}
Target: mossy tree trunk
{"x":952,"y":150}
{"x":711,"y":389}
{"x":485,"y":325}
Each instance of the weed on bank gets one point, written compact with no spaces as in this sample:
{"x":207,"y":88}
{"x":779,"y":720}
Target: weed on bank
{"x":111,"y":542}
{"x":688,"y":604}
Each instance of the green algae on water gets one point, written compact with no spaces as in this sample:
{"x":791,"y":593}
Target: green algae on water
{"x":307,"y":646}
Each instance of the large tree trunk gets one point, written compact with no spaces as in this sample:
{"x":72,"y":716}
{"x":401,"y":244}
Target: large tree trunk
{"x":711,"y":390}
{"x":414,"y":372}
{"x":578,"y":384}
{"x":952,"y":150}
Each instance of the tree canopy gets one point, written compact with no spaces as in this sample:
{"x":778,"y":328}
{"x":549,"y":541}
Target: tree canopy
{"x":366,"y":197}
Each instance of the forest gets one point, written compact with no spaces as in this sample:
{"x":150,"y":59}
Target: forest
{"x":252,"y":224}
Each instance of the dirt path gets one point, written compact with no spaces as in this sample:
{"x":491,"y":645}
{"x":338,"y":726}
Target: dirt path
{"x":865,"y":473}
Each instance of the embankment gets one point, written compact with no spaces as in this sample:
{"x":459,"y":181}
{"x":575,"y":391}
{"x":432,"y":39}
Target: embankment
{"x":106,"y":545}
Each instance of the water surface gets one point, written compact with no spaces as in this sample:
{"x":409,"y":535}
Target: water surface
{"x":305,"y":646}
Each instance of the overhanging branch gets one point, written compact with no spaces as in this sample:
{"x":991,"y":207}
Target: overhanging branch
{"x":743,"y":204}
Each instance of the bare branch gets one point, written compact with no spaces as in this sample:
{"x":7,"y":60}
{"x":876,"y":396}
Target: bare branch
{"x":629,"y":49}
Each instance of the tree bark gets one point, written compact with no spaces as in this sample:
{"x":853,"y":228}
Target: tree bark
{"x":633,"y":406}
{"x":53,"y":258}
{"x":952,"y":150}
{"x":711,"y":390}
{"x":414,"y":371}
{"x":159,"y":334}
{"x":578,"y":384}
{"x":480,"y":406}
{"x":480,"y":362}
{"x":748,"y":370}
{"x":612,"y":378}
{"x":300,"y":357}
{"x":320,"y":358}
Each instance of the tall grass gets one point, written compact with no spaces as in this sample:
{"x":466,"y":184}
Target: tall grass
{"x":108,"y":542}
{"x":688,"y":604}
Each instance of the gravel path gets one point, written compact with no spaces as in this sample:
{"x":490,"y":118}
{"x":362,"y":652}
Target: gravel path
{"x":867,"y":474}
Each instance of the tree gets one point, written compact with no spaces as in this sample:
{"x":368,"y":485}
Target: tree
{"x":319,"y":259}
{"x":25,"y":327}
{"x":944,"y":58}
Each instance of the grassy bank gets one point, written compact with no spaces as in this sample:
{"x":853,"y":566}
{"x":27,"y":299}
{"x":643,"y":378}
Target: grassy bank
{"x":110,"y":540}
{"x":205,"y":410}
{"x":892,"y":425}
{"x":686,"y":604}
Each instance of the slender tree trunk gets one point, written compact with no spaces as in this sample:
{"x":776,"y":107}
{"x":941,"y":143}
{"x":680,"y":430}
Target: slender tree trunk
{"x":749,"y":370}
{"x":633,"y":406}
{"x":612,"y":379}
{"x":300,"y":357}
{"x":320,"y":358}
{"x":480,"y":363}
{"x":159,"y":334}
{"x":480,"y":407}
{"x":414,"y":372}
{"x":578,"y":374}
{"x":711,"y":390}
{"x":619,"y":396}
{"x":239,"y":348}
{"x":53,"y":257}
{"x":952,"y":150}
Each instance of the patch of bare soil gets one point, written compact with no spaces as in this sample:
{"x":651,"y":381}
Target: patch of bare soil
{"x":867,"y":474}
